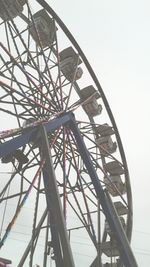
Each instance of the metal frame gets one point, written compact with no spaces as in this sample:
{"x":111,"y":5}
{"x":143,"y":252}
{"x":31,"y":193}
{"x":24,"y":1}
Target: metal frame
{"x":48,"y":9}
{"x":68,"y":119}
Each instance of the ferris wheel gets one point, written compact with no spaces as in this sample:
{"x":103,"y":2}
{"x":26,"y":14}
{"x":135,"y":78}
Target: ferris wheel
{"x":65,"y":194}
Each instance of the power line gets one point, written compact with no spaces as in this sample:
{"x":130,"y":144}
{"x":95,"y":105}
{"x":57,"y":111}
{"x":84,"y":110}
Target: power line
{"x":137,"y":250}
{"x":141,"y":232}
{"x":144,"y":250}
{"x":141,"y":253}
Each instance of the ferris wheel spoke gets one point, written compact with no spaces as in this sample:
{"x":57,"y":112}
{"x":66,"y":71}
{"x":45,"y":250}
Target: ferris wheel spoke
{"x":45,"y":75}
{"x":60,"y":83}
{"x":34,"y":222}
{"x":79,"y":190}
{"x":14,"y":101}
{"x":80,"y":184}
{"x":17,"y":82}
{"x":32,"y":61}
{"x":13,"y":91}
{"x":2,"y":193}
{"x":81,"y":218}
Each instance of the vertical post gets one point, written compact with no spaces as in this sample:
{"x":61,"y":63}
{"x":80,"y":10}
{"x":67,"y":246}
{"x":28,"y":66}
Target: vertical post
{"x":55,"y":239}
{"x":99,"y":262}
{"x":53,"y":201}
{"x":46,"y":242}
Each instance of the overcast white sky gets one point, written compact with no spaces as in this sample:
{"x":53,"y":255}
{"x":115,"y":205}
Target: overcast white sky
{"x":115,"y":37}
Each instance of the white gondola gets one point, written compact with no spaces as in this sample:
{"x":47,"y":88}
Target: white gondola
{"x":89,"y":98}
{"x":9,"y":9}
{"x":120,"y":208}
{"x":104,"y":130}
{"x":114,"y":168}
{"x":109,"y":231}
{"x":106,"y":145}
{"x":70,"y":71}
{"x":92,"y":108}
{"x":110,"y":249}
{"x":43,"y":29}
{"x":114,"y":185}
{"x":89,"y":91}
{"x":69,"y":64}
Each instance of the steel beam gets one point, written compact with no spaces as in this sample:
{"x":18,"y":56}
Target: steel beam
{"x":55,"y":240}
{"x":54,"y":204}
{"x":30,"y":135}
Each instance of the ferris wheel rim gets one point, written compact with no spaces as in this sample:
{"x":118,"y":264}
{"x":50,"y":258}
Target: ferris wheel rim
{"x":69,"y":35}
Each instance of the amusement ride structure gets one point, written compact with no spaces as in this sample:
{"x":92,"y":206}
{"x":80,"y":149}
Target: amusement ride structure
{"x":63,"y":171}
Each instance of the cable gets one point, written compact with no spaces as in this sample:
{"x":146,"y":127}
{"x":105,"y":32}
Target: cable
{"x":141,"y":232}
{"x":4,"y":213}
{"x":141,"y":253}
